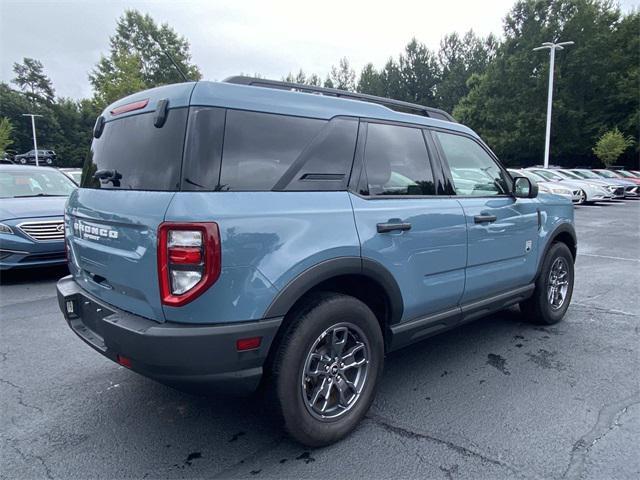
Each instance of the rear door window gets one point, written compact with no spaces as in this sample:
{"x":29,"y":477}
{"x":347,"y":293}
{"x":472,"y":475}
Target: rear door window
{"x":397,"y":162}
{"x":133,"y":154}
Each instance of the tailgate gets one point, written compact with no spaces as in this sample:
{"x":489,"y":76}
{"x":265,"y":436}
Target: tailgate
{"x":112,"y":235}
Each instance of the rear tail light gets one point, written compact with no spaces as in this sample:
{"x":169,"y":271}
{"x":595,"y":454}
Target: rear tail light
{"x":189,"y":260}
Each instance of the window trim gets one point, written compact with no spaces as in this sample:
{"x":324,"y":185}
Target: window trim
{"x":447,"y":169}
{"x":360,"y":170}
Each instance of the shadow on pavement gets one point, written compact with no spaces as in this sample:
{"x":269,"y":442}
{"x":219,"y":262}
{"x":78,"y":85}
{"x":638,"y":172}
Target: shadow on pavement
{"x":32,"y":275}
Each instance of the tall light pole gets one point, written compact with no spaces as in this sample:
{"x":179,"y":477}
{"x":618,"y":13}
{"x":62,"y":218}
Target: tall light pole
{"x":552,"y":59}
{"x":33,"y":129}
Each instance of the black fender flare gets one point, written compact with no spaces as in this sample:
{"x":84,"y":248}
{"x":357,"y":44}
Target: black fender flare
{"x":559,"y":229}
{"x":313,"y":276}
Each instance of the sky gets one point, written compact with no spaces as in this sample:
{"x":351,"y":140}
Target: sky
{"x":271,"y":38}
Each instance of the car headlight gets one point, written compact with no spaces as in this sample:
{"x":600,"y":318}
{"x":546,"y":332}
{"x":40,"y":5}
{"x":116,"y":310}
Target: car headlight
{"x":544,"y":188}
{"x":5,"y":229}
{"x":560,"y":191}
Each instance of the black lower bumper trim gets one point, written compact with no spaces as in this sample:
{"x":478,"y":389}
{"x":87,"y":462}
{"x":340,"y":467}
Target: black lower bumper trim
{"x":182,"y":355}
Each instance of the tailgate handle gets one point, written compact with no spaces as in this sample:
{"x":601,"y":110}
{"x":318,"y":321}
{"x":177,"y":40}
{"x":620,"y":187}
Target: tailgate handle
{"x":100,"y":280}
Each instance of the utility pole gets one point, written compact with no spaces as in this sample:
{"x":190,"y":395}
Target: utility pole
{"x":552,"y":59}
{"x":33,"y":129}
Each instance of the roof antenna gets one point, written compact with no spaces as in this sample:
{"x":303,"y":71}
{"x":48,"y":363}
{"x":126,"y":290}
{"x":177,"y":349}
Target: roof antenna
{"x":182,"y":74}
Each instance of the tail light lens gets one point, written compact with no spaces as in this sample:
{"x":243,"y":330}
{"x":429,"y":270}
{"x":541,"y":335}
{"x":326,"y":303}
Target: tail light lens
{"x":189,"y":260}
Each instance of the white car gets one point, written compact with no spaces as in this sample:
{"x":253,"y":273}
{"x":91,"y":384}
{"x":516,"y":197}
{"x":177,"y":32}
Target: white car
{"x":589,"y":191}
{"x":572,"y":194}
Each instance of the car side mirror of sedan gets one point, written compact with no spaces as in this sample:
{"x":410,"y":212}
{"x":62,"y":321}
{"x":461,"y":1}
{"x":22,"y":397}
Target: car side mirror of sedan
{"x":524,"y":187}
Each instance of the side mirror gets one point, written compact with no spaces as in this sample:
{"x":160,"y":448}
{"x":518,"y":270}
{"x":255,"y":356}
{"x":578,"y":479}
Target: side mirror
{"x":524,"y":187}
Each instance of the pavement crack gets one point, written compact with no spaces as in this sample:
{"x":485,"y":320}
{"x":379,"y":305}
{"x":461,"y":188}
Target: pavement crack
{"x":403,"y":432}
{"x":25,"y":457}
{"x":20,"y":395}
{"x":608,"y":420}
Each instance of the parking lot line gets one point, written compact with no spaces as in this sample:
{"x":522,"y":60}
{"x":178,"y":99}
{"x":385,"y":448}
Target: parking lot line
{"x":609,"y":257}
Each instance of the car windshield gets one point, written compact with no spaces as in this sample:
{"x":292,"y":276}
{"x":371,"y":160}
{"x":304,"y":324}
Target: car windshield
{"x":606,"y":174}
{"x":548,"y":175}
{"x":569,"y":174}
{"x":625,"y":174}
{"x":34,"y":183}
{"x":586,"y":174}
{"x":527,"y":173}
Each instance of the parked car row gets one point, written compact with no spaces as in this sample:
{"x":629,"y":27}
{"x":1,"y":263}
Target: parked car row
{"x":586,"y":185}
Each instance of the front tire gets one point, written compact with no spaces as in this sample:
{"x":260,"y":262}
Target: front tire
{"x":327,"y":367}
{"x":554,"y":287}
{"x":583,"y":197}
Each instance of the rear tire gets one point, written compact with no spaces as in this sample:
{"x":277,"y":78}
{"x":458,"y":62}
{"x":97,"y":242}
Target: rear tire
{"x":326,"y":370}
{"x":554,"y":287}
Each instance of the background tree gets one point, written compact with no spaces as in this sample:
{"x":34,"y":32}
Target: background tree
{"x":343,"y":76}
{"x":611,"y":145}
{"x":369,"y":81}
{"x":458,"y":59}
{"x":136,"y":60}
{"x":419,"y":74}
{"x":303,"y":79}
{"x":596,"y":82}
{"x":32,"y":80}
{"x":6,"y":129}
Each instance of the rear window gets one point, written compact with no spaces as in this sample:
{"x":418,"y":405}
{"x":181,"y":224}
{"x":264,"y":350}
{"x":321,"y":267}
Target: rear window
{"x":132,"y":154}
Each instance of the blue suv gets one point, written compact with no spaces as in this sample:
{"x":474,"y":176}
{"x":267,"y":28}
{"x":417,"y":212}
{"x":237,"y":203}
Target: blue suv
{"x":252,"y":233}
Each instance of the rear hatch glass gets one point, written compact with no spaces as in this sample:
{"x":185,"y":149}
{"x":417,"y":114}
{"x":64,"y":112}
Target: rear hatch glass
{"x":133,"y":154}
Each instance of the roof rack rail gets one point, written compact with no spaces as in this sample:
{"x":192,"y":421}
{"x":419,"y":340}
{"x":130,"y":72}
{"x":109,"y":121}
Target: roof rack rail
{"x":334,"y":92}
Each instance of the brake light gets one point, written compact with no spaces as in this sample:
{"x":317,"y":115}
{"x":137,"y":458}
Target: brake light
{"x":189,"y":260}
{"x":129,"y":107}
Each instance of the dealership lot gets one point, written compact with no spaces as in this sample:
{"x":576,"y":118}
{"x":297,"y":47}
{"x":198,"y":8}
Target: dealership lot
{"x":498,"y":398}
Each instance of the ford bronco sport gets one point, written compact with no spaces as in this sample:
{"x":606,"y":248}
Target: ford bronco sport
{"x":256,"y":233}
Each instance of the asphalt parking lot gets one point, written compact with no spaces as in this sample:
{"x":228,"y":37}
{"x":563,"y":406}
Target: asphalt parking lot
{"x":498,"y":398}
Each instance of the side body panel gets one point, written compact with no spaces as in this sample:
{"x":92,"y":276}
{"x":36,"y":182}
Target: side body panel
{"x":501,"y":254}
{"x":427,"y":261}
{"x":268,"y":239}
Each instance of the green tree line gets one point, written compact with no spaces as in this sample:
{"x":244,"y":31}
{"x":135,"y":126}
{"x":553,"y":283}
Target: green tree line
{"x":497,"y":86}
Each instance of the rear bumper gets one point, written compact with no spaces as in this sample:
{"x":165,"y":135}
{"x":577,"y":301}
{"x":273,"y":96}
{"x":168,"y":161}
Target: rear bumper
{"x":185,"y":356}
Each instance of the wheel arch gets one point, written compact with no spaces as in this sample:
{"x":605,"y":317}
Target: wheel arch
{"x":565,"y":233}
{"x":363,"y":278}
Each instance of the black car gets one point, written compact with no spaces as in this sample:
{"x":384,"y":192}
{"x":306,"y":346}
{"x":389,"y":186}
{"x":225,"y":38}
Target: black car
{"x":45,"y":157}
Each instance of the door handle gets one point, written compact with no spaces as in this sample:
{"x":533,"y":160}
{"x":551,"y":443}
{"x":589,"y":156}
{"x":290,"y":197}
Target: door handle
{"x":485,"y":218}
{"x":391,"y":227}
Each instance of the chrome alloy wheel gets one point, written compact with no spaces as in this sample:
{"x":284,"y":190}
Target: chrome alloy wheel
{"x":335,"y":371}
{"x":583,"y":197}
{"x":558,"y":284}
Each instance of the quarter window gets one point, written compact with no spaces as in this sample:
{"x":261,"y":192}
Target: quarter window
{"x":397,"y":162}
{"x":260,"y":147}
{"x":473,"y":170}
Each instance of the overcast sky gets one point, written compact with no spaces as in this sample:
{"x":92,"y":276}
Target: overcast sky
{"x":229,"y":37}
